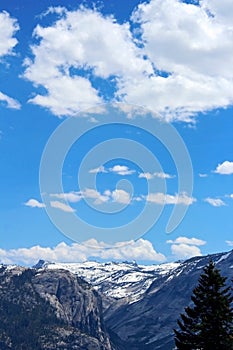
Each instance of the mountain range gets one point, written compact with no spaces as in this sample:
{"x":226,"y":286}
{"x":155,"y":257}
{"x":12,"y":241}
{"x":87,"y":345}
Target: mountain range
{"x":98,"y":306}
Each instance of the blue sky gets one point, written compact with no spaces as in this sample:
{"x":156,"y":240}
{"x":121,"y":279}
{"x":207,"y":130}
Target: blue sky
{"x":115,"y":117}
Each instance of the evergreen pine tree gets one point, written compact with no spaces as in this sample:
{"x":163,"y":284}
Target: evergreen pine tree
{"x":208,"y":323}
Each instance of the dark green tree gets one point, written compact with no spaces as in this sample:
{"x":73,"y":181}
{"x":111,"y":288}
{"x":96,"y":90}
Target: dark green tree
{"x":208,"y":323}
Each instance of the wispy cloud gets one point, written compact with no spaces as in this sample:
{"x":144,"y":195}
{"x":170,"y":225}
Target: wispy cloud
{"x":72,"y":196}
{"x":225,"y":168}
{"x":62,"y":206}
{"x":130,"y":250}
{"x":34,"y":203}
{"x":186,"y":240}
{"x":160,"y":175}
{"x":203,"y":175}
{"x":162,"y":198}
{"x":215,"y":202}
{"x":9,"y":101}
{"x":230,"y":243}
{"x":98,"y":170}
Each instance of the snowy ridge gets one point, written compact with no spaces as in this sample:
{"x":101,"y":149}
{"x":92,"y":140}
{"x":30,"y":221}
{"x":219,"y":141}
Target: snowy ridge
{"x":130,"y":281}
{"x":117,"y":280}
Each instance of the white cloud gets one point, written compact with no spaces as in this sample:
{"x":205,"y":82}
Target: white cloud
{"x":72,"y":196}
{"x":96,"y":195}
{"x":162,"y":198}
{"x":226,"y":168}
{"x":116,"y":169}
{"x":180,"y":65}
{"x":121,"y":196}
{"x":121,"y":170}
{"x":117,"y":195}
{"x":215,"y":202}
{"x":131,"y":250}
{"x":203,"y":175}
{"x":98,"y":170}
{"x":62,"y":206}
{"x":8,"y":28}
{"x":194,"y":50}
{"x":34,"y":203}
{"x":147,"y":176}
{"x":90,"y":193}
{"x":9,"y":101}
{"x":186,"y":240}
{"x":160,"y":175}
{"x":185,"y":251}
{"x":184,"y":247}
{"x":230,"y":243}
{"x":67,"y":46}
{"x":221,"y":9}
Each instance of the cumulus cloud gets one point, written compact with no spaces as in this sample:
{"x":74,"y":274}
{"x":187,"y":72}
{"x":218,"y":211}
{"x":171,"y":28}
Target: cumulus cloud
{"x":162,"y":198}
{"x":190,"y":47}
{"x":177,"y":63}
{"x":130,"y":250}
{"x":121,"y":170}
{"x":160,"y":175}
{"x":184,"y":247}
{"x":185,"y":251}
{"x":62,"y":206}
{"x":67,"y":47}
{"x":225,"y":168}
{"x":34,"y":203}
{"x":215,"y":202}
{"x":121,"y":196}
{"x":8,"y":27}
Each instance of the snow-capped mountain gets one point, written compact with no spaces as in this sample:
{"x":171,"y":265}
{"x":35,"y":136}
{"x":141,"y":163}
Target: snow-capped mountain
{"x":117,"y":280}
{"x":142,"y":303}
{"x":128,"y":280}
{"x":137,"y":307}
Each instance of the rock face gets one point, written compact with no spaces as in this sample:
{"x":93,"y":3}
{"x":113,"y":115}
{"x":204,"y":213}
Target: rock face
{"x":49,"y":310}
